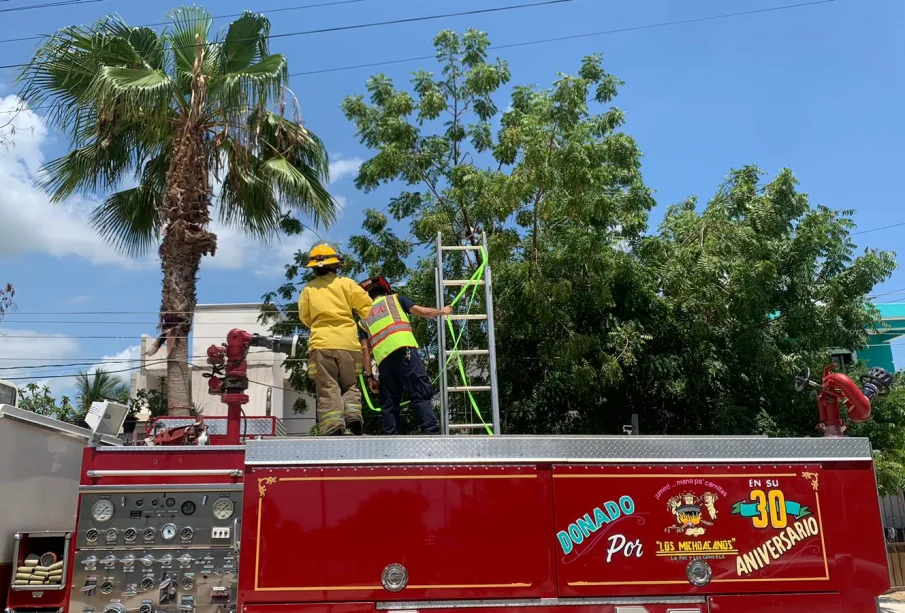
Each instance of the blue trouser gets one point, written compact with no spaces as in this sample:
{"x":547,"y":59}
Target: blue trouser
{"x":403,"y":371}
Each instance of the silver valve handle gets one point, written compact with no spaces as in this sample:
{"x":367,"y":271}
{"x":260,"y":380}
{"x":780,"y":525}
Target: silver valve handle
{"x":90,"y":561}
{"x":129,"y":560}
{"x":165,"y":583}
{"x":147,"y":560}
{"x":186,"y":559}
{"x":109,"y":560}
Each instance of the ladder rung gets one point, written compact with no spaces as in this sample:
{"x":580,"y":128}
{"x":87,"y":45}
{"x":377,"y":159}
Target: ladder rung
{"x":449,"y":282}
{"x":468,"y":352}
{"x":461,"y":248}
{"x":470,"y":316}
{"x":469,"y":426}
{"x":469,"y":388}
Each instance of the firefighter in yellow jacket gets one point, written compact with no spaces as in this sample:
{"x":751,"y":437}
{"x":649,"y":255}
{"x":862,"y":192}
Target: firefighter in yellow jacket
{"x":327,"y":307}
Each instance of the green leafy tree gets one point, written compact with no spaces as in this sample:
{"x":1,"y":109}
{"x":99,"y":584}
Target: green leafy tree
{"x":178,"y":109}
{"x":757,"y":285}
{"x":97,"y":387}
{"x":557,"y":188}
{"x":154,"y":401}
{"x":699,"y":327}
{"x":39,"y":399}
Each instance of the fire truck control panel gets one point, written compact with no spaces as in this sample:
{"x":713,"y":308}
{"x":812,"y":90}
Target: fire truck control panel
{"x":154,"y":550}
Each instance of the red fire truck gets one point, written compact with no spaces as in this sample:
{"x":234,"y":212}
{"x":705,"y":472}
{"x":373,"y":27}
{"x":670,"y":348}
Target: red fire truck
{"x":257,"y":523}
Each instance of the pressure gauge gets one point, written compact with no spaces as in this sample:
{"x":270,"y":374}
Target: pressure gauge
{"x":102,"y":510}
{"x":149,"y":533}
{"x":224,"y":508}
{"x":168,"y":532}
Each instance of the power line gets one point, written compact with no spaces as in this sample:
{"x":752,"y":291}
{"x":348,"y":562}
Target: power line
{"x":507,"y":46}
{"x":31,"y":7}
{"x":226,"y":16}
{"x":376,"y":24}
{"x":895,"y":225}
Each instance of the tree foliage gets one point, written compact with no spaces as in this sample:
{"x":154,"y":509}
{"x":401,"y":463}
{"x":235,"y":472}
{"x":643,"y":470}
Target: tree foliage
{"x":39,"y":399}
{"x":698,"y":326}
{"x":7,"y":296}
{"x":177,"y":109}
{"x":97,"y":387}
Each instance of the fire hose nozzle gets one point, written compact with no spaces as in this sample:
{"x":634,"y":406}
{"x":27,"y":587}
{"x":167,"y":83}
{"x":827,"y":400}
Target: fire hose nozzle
{"x":277,"y":343}
{"x":876,"y":381}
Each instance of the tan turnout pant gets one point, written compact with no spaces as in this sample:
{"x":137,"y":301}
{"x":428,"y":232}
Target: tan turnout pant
{"x":335,"y":374}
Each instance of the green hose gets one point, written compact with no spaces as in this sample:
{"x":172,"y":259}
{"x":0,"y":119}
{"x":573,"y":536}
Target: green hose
{"x":475,"y":277}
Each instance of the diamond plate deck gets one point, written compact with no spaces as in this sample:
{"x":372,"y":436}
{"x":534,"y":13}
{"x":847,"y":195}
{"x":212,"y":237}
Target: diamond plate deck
{"x":216,"y":426}
{"x":560,"y":449}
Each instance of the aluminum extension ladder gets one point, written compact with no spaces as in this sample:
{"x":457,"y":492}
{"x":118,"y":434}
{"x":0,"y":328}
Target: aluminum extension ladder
{"x":443,"y":355}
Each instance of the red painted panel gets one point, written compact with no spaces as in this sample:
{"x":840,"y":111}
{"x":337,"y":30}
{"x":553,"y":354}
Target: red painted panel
{"x":782,"y":603}
{"x":855,"y":534}
{"x":161,"y":458}
{"x":343,"y":607}
{"x":460,"y":531}
{"x":626,"y":605}
{"x":635,"y":529}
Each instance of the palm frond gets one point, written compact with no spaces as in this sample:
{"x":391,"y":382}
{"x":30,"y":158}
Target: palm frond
{"x":299,"y":187}
{"x":246,"y":42}
{"x":88,"y":169}
{"x":251,"y":87}
{"x":191,"y":25}
{"x":129,"y":220}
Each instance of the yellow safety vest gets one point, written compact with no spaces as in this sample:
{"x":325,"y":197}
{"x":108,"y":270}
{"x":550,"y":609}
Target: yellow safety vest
{"x":388,"y":328}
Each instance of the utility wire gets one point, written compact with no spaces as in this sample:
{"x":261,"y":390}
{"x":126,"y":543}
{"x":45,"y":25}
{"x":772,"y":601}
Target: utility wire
{"x":376,"y":24}
{"x":226,"y":16}
{"x":31,"y":7}
{"x":506,"y":46}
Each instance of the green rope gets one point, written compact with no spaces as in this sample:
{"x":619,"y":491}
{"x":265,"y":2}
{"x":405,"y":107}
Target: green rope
{"x":474,"y":277}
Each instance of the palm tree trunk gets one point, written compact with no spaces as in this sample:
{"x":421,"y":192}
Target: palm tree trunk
{"x":186,"y":240}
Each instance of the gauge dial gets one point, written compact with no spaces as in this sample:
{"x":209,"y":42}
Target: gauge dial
{"x":186,"y":533}
{"x":102,"y":510}
{"x":149,"y":533}
{"x":91,"y":535}
{"x":130,"y":534}
{"x":171,"y":502}
{"x":168,"y":531}
{"x":188,"y":507}
{"x":111,"y":534}
{"x":224,"y":508}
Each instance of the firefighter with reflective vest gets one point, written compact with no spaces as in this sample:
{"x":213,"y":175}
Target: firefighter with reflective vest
{"x":328,"y":307}
{"x":392,"y":343}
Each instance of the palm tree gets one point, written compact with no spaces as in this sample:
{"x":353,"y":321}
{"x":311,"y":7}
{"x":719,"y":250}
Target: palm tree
{"x":180,"y":112}
{"x":98,"y":387}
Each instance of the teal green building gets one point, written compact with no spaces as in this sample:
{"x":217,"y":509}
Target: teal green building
{"x":879,"y":344}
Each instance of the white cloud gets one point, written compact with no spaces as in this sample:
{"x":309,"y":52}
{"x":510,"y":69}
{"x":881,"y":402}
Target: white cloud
{"x":29,"y":222}
{"x":79,"y":299}
{"x":342,"y":168}
{"x":273,"y":263}
{"x":122,"y":364}
{"x":30,"y":356}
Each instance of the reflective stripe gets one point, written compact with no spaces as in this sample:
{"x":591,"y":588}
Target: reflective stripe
{"x":388,"y":328}
{"x":391,"y":329}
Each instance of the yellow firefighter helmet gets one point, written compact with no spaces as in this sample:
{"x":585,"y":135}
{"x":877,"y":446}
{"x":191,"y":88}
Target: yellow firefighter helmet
{"x":323,"y":254}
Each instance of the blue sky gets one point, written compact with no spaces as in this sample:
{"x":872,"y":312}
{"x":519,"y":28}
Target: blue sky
{"x":817,"y":89}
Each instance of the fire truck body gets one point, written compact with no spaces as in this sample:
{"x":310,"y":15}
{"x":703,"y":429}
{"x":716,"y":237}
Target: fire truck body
{"x":555,"y":524}
{"x":40,"y":468}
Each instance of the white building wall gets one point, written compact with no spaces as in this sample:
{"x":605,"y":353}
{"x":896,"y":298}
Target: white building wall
{"x":268,"y":389}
